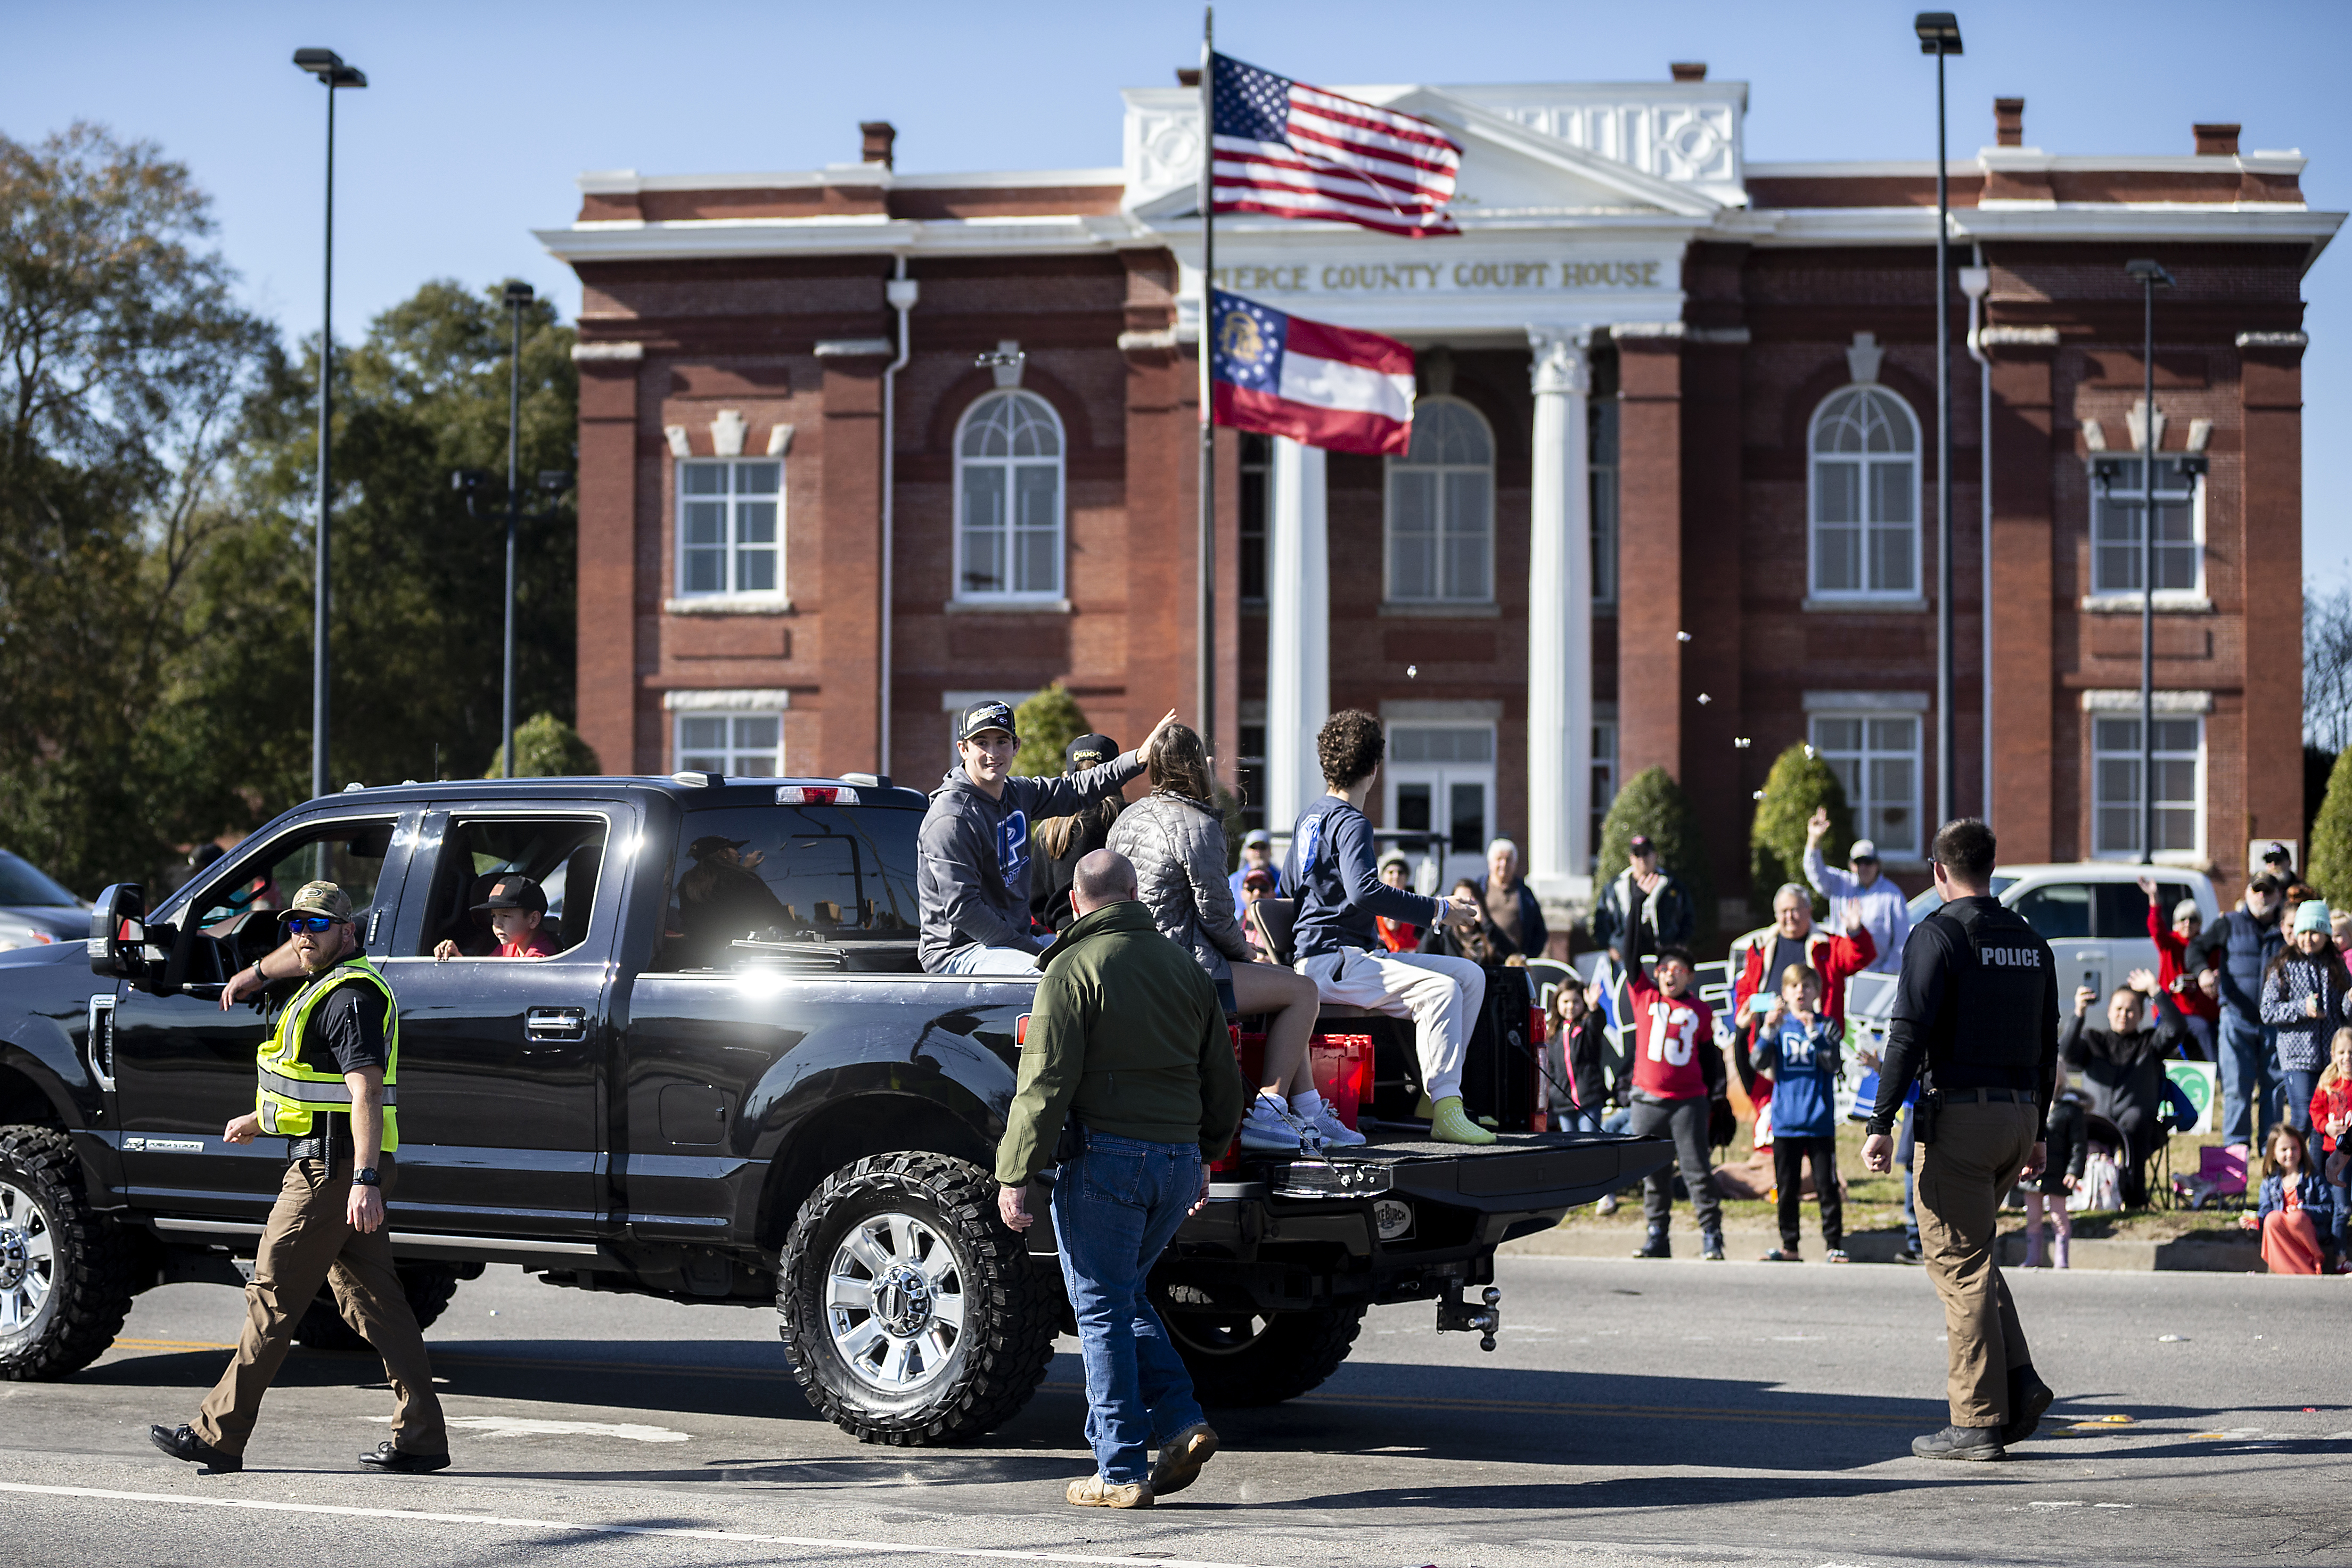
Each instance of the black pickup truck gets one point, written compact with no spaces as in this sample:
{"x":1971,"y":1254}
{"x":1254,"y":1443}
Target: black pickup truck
{"x":731,"y":1083}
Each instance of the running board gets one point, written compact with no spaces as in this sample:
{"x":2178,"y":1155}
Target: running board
{"x":414,"y":1243}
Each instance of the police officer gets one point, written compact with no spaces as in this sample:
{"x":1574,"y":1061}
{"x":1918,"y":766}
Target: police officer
{"x":1976,"y":1020}
{"x":329,"y":1084}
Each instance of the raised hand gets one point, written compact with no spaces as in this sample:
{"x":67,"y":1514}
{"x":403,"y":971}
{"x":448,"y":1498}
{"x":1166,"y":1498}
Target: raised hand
{"x":2084,"y":998}
{"x":2143,"y":981}
{"x":1817,"y":826}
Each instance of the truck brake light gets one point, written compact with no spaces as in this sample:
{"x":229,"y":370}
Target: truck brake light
{"x":1021,"y":1030}
{"x":815,"y":795}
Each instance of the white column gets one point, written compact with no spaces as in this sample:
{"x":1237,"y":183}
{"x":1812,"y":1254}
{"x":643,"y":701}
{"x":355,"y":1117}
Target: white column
{"x":1297,"y":633}
{"x":1560,"y":623}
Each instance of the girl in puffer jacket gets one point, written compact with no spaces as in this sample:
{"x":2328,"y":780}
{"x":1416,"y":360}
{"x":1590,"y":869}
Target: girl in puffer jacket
{"x":1176,"y":838}
{"x":2305,"y":993}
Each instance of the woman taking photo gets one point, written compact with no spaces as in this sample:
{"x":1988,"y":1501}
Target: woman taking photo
{"x":1176,"y":838}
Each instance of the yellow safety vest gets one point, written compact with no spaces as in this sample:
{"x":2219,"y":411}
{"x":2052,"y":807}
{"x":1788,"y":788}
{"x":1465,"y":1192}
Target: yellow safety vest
{"x":290,"y":1092}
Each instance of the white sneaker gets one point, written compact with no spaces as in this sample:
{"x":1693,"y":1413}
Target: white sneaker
{"x":1335,"y":1134}
{"x":1269,"y":1129}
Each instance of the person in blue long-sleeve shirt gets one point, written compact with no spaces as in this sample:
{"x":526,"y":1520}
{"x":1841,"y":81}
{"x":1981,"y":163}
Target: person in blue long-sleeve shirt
{"x":1333,"y":871}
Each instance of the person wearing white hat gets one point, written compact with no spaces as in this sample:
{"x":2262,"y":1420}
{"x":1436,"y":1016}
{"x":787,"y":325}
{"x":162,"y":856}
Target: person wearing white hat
{"x":1870,"y":895}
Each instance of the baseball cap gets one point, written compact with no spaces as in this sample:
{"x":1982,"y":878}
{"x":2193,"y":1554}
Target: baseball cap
{"x":2278,"y":852}
{"x":1089,"y":751}
{"x":1395,"y":857}
{"x":711,"y":843}
{"x":1864,"y":850}
{"x":986,"y":715}
{"x":1256,"y":836}
{"x":514,"y":893}
{"x":1257,"y":876}
{"x":319,"y":898}
{"x":1641,"y":845}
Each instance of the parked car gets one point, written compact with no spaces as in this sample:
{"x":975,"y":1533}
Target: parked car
{"x":2092,"y":915}
{"x":34,"y":910}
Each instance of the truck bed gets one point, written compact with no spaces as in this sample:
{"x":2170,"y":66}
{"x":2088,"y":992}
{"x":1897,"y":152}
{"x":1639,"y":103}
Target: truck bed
{"x":1518,"y":1171}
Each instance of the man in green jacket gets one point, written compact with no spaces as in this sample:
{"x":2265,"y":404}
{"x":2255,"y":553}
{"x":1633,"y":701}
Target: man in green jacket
{"x":1126,"y":1039}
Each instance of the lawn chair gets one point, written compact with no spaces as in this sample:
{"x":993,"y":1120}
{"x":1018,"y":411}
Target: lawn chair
{"x":2221,"y":1173}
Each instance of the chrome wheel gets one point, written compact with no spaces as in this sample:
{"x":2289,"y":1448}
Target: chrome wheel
{"x":29,"y":1260}
{"x":895,"y":1302}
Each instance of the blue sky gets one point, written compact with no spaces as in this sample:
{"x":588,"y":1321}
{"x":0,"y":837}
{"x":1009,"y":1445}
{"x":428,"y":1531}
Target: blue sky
{"x":479,"y":115}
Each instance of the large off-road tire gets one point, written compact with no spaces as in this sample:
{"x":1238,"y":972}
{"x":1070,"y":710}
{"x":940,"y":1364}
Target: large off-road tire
{"x":427,"y":1286}
{"x":1238,"y":1356}
{"x":64,"y":1272}
{"x":910,"y":1315}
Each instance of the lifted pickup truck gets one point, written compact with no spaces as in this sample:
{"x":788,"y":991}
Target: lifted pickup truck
{"x":731,"y":1083}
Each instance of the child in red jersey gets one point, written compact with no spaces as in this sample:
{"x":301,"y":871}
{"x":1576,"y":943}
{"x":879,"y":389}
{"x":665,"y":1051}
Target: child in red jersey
{"x":1677,"y":1075}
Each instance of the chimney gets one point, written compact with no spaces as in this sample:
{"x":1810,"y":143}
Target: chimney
{"x":2215,"y":141}
{"x":2008,"y":121}
{"x":880,"y":137}
{"x":1689,"y":71}
{"x":1188,"y":75}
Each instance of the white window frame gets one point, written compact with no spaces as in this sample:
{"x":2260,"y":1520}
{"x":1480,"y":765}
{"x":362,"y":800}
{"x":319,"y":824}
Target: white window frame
{"x":733,"y":753}
{"x":1058,"y":462}
{"x":1865,"y":807}
{"x":1915,"y":457}
{"x":733,"y":502}
{"x":2099,"y":801}
{"x":1441,"y":777}
{"x":1445,"y":528}
{"x":2192,"y":490}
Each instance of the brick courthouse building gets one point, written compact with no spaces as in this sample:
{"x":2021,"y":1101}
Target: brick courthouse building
{"x":1718,"y":373}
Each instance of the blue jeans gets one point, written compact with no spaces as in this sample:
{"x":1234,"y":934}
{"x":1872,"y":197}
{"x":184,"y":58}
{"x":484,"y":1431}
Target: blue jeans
{"x":2248,"y":1067}
{"x":1115,"y":1208}
{"x":1568,"y":1119}
{"x":974,"y":959}
{"x":1906,"y":1156}
{"x":1618,"y":1120}
{"x":2299,"y":1086}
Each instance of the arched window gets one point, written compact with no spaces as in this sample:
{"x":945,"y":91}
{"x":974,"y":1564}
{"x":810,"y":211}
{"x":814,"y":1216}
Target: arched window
{"x":1009,"y":499}
{"x":1441,"y":507}
{"x":1866,"y":527}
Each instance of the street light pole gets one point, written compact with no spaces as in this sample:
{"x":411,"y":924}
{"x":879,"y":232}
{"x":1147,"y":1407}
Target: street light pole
{"x":2150,"y":275}
{"x":1939,"y":35}
{"x":518,"y":300}
{"x":332,"y":73}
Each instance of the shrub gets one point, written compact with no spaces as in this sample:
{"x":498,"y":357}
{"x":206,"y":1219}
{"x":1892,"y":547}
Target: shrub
{"x":546,"y":748}
{"x":1798,"y":784}
{"x":1048,"y":722}
{"x":2328,"y":857}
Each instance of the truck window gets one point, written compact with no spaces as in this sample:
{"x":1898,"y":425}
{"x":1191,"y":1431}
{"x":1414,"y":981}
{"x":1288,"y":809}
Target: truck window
{"x":788,"y":874}
{"x":562,"y":855}
{"x":348,"y":855}
{"x":2059,"y":911}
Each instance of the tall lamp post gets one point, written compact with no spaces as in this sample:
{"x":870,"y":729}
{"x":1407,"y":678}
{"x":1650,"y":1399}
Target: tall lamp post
{"x":1939,"y":35}
{"x":332,"y":73}
{"x":518,"y":300}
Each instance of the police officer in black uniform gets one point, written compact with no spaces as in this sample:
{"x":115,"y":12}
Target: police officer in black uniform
{"x":1976,"y":1020}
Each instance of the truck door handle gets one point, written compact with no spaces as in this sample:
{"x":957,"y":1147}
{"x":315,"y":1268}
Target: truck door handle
{"x":556,"y":1023}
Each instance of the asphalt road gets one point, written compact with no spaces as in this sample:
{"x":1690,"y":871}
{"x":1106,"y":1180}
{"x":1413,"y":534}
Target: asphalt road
{"x":1636,"y":1413}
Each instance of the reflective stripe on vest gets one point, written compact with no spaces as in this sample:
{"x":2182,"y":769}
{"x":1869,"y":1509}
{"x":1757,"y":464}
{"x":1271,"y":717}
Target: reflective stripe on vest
{"x":288,"y":1094}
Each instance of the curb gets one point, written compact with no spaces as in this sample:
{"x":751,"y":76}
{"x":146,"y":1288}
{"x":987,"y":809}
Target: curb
{"x":1748,"y":1243}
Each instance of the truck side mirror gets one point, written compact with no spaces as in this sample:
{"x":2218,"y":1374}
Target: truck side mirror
{"x":118,"y":932}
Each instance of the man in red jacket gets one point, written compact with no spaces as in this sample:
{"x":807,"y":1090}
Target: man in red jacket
{"x":1794,"y":939}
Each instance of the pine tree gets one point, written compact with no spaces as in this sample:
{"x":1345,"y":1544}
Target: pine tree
{"x":2329,"y":860}
{"x":546,"y":748}
{"x":1798,"y":784}
{"x":1048,"y":722}
{"x":1652,"y":803}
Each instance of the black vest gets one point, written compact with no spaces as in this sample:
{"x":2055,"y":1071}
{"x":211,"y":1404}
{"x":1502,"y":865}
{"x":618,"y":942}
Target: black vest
{"x":1999,"y":989}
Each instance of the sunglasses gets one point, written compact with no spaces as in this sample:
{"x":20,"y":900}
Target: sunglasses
{"x":313,"y":925}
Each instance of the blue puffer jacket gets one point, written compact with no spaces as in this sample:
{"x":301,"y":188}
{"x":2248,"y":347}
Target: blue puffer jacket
{"x":2241,"y":948}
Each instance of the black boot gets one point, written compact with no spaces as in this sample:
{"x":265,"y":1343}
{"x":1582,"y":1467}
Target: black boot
{"x":1657,"y":1245}
{"x":1710,"y":1245}
{"x":1959,"y":1443}
{"x":184,"y":1444}
{"x":2029,"y":1396}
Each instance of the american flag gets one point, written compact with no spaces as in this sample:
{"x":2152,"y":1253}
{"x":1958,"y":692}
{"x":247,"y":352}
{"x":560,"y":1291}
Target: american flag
{"x":1296,"y":152}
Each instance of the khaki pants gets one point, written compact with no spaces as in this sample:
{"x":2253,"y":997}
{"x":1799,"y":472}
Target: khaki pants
{"x":309,"y":1240}
{"x":1979,"y":1152}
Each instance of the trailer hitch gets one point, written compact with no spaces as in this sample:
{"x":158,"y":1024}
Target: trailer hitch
{"x":1456,"y":1315}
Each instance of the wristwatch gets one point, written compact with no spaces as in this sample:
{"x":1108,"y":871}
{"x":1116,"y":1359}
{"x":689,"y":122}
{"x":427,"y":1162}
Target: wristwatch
{"x":367,"y":1176}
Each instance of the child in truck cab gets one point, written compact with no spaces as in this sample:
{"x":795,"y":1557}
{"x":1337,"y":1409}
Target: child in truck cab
{"x":1677,"y":1074}
{"x":515,"y":911}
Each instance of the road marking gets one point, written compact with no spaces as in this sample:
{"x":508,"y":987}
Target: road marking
{"x":528,"y":1427}
{"x":418,"y":1515}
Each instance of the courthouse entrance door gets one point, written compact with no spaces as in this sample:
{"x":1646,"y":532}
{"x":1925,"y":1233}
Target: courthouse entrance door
{"x":1441,"y":777}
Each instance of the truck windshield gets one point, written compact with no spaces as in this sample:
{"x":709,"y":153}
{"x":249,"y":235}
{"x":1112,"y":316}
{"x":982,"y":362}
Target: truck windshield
{"x":789,"y":874}
{"x":23,"y":886}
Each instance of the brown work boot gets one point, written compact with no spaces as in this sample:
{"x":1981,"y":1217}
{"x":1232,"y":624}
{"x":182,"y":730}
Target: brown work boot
{"x":1093,"y":1491}
{"x":1181,"y":1459}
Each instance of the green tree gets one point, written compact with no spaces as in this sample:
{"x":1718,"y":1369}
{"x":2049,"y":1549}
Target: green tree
{"x":2329,"y":859}
{"x":1798,"y":784}
{"x":1048,"y":722}
{"x":1652,"y":803}
{"x":546,"y":748}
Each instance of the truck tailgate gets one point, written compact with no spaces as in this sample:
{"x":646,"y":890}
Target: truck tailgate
{"x":1518,"y":1171}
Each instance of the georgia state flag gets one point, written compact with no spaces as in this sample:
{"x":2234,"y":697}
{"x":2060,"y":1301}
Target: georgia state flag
{"x":1320,"y":385}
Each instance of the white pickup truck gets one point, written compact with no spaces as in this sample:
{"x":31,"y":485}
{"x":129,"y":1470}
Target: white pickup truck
{"x":2092,"y":913}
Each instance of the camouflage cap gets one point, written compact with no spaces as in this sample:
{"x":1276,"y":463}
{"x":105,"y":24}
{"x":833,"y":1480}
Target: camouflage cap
{"x":320,"y":898}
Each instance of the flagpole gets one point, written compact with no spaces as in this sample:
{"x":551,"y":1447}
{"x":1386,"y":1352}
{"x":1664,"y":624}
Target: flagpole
{"x":1205,"y":674}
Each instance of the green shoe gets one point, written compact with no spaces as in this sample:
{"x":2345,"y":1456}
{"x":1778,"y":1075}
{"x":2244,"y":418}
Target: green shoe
{"x":1447,"y":1124}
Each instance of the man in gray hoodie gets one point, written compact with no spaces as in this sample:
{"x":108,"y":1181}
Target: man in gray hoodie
{"x":973,"y":879}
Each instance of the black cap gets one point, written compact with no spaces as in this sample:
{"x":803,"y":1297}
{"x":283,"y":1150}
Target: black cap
{"x":514,"y":891}
{"x":1089,"y":751}
{"x":986,"y":715}
{"x":710,"y":844}
{"x":1641,"y":845}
